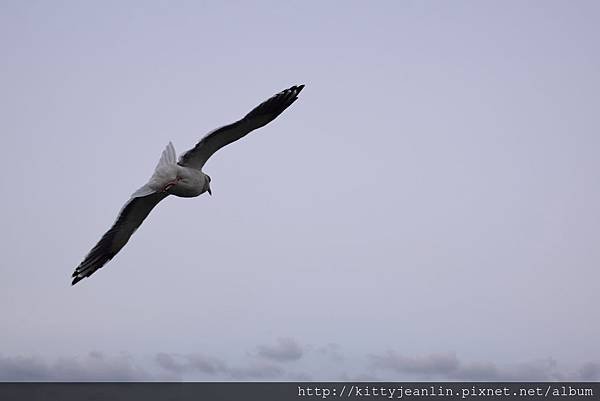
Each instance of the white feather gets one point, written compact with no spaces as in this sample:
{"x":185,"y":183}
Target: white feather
{"x":165,"y":171}
{"x":167,"y":157}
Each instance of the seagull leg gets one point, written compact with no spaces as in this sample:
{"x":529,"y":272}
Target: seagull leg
{"x":171,"y":184}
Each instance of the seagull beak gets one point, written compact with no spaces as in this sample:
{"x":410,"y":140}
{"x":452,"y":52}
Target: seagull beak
{"x":209,"y":191}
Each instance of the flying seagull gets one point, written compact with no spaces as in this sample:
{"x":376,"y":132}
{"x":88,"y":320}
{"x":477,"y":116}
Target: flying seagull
{"x":183,"y":177}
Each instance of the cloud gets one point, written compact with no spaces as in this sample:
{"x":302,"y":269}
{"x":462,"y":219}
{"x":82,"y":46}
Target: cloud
{"x":261,"y":365}
{"x":24,"y":369}
{"x":476,"y":371}
{"x":286,"y":349}
{"x":94,"y":367}
{"x":448,"y":366}
{"x":389,"y":365}
{"x":435,"y":364}
{"x":541,"y":369}
{"x":180,"y":364}
{"x":256,"y":371}
{"x":332,"y":351}
{"x":589,"y":371}
{"x":192,"y":364}
{"x":169,"y":363}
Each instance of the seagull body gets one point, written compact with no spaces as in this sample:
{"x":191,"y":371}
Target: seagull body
{"x":183,"y":178}
{"x":174,"y":179}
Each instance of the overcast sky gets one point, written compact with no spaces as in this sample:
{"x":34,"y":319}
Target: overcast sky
{"x":428,"y":208}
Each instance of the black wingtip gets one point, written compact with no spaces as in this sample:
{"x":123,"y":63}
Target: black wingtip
{"x":291,"y":94}
{"x":76,"y":277}
{"x":296,"y":89}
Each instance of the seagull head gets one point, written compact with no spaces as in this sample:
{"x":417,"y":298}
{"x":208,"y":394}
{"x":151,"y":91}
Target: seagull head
{"x":207,"y":184}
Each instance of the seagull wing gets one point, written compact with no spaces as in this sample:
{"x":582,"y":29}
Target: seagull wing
{"x":260,"y":116}
{"x":130,"y":218}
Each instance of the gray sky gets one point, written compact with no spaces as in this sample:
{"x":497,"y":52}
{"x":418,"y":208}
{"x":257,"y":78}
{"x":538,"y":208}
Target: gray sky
{"x":428,"y":208}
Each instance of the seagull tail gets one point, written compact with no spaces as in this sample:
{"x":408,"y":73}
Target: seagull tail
{"x":168,"y":157}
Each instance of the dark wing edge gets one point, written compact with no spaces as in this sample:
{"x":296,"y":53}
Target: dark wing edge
{"x":260,"y":116}
{"x":130,"y":218}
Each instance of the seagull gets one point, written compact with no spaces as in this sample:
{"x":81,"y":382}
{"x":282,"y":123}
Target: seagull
{"x":183,"y":178}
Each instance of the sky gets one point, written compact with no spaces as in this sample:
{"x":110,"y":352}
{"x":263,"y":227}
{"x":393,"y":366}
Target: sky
{"x":427,"y":209}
